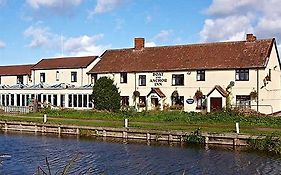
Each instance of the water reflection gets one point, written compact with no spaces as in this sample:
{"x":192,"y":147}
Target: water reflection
{"x":22,"y":154}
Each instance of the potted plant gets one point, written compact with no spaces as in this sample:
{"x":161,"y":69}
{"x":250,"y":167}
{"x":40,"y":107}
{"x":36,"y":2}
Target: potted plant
{"x":199,"y":94}
{"x":136,"y":93}
{"x":254,"y":94}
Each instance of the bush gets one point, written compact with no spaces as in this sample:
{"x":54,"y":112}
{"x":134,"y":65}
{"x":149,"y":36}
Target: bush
{"x":105,"y":95}
{"x":270,"y":143}
{"x":195,"y":137}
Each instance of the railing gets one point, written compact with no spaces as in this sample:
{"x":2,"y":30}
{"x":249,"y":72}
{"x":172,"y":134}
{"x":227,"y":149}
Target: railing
{"x":16,"y":109}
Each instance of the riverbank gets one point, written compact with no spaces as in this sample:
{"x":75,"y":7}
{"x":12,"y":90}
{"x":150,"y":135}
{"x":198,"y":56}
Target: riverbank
{"x":157,"y":123}
{"x":218,"y":122}
{"x":125,"y":133}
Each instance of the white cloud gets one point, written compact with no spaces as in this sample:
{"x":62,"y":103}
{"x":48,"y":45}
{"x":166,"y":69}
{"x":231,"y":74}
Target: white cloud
{"x":58,"y":4}
{"x":150,"y":44}
{"x":232,"y":19}
{"x":41,"y":37}
{"x":163,"y":35}
{"x":104,"y":6}
{"x":84,"y":45}
{"x":2,"y":45}
{"x":232,"y":27}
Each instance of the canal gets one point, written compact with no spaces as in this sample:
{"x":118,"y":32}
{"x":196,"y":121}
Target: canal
{"x":23,"y":153}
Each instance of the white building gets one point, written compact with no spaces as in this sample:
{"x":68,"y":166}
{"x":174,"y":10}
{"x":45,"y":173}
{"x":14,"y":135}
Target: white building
{"x":195,"y":77}
{"x":243,"y":73}
{"x":58,"y":82}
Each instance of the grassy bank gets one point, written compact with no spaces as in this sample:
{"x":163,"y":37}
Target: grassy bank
{"x":218,"y":122}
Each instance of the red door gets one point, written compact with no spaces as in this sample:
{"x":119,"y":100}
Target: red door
{"x":216,"y":103}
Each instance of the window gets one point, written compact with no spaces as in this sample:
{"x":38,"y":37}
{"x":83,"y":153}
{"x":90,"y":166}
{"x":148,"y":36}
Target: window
{"x":243,"y":100}
{"x":142,"y":101}
{"x":178,"y":100}
{"x":242,"y":75}
{"x":178,"y":79}
{"x":123,"y":77}
{"x":42,"y":77}
{"x":70,"y":100}
{"x":62,"y":100}
{"x":200,"y":75}
{"x":142,"y":80}
{"x":80,"y":101}
{"x":269,"y":75}
{"x":0,"y":80}
{"x":57,"y":76}
{"x":75,"y":101}
{"x":19,"y":79}
{"x":73,"y":76}
{"x":124,"y":100}
{"x":94,"y":78}
{"x":85,"y":100}
{"x":55,"y":99}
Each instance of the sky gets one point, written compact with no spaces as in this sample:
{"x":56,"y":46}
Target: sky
{"x":34,"y":29}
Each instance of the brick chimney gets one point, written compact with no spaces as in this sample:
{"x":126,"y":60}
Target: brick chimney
{"x":139,"y":43}
{"x":250,"y":37}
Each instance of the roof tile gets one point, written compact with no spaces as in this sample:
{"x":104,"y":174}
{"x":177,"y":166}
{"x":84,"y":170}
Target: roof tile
{"x":65,"y":62}
{"x":220,"y":55}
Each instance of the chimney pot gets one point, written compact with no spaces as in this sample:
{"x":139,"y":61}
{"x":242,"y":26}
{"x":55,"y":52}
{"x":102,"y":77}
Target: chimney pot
{"x":139,"y":43}
{"x":251,"y":37}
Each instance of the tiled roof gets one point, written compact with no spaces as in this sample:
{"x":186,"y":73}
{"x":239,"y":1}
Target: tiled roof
{"x":16,"y":70}
{"x":157,"y":91}
{"x":223,"y":92}
{"x":65,"y":62}
{"x":220,"y":55}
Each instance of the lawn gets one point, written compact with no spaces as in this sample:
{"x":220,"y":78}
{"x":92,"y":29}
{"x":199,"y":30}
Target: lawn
{"x":216,"y":122}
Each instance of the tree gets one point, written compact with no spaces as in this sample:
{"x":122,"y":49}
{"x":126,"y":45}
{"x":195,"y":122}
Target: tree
{"x":106,"y":95}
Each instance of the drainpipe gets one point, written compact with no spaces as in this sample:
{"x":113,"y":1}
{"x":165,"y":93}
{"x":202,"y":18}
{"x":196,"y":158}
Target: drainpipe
{"x":258,"y":90}
{"x":81,"y":76}
{"x":135,"y":90}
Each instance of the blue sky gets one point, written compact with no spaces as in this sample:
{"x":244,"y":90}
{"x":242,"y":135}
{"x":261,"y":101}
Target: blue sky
{"x":35,"y":29}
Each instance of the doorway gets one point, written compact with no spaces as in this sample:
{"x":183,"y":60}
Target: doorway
{"x":154,"y":102}
{"x":216,"y":103}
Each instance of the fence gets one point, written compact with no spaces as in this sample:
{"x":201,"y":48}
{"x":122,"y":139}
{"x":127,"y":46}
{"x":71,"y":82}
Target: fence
{"x":16,"y":109}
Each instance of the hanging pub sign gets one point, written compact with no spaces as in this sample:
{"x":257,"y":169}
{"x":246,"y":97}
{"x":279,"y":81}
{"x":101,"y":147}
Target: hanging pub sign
{"x":158,"y":79}
{"x":189,"y":100}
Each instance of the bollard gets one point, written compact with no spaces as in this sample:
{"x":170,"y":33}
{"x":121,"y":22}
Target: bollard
{"x":237,"y":128}
{"x":126,"y":123}
{"x":45,"y":118}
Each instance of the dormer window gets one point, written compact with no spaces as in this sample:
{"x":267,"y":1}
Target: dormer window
{"x":123,"y":77}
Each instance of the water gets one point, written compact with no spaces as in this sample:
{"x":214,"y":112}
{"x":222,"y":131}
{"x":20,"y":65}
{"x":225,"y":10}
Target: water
{"x":22,"y":154}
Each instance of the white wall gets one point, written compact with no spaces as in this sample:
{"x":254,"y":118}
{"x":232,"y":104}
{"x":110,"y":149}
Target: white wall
{"x":212,"y":78}
{"x":64,"y":75}
{"x":12,"y":80}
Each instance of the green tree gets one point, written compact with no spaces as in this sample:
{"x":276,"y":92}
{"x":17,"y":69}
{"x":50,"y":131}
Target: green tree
{"x":106,"y":95}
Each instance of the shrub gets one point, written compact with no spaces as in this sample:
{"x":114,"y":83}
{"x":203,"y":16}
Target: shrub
{"x":105,"y":95}
{"x":270,"y":143}
{"x":195,"y":137}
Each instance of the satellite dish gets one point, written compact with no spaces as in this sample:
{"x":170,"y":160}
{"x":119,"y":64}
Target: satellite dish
{"x":231,"y":83}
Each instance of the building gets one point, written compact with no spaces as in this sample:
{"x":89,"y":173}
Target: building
{"x":196,"y":77}
{"x":16,"y":74}
{"x":56,"y":82}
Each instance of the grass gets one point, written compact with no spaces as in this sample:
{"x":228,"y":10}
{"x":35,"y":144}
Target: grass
{"x":217,"y":122}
